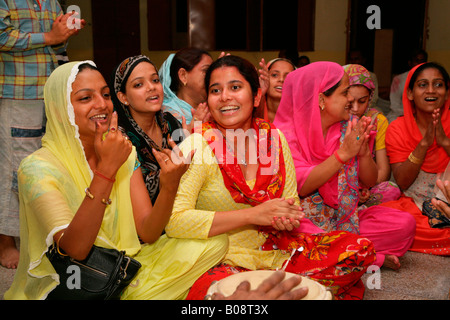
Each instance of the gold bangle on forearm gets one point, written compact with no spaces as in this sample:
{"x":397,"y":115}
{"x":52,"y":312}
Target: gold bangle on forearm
{"x":106,"y":202}
{"x":414,"y":159}
{"x":57,"y":245}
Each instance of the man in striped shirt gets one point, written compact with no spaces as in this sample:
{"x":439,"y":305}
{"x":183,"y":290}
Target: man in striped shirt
{"x":32,"y":34}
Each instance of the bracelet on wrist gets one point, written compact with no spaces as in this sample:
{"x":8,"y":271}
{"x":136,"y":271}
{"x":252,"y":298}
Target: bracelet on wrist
{"x":338,"y":158}
{"x":57,"y":245}
{"x":92,"y":197}
{"x":412,"y":158}
{"x":104,"y":177}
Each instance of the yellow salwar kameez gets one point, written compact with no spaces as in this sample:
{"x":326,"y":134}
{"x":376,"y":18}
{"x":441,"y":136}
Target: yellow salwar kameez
{"x":51,"y":188}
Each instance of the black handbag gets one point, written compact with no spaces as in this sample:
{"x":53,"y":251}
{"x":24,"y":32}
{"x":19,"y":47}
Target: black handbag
{"x":436,"y":219}
{"x":104,"y":274}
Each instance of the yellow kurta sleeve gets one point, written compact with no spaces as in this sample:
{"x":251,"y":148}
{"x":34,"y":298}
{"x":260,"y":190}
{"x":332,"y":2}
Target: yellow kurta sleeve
{"x":190,"y":219}
{"x":382,"y":125}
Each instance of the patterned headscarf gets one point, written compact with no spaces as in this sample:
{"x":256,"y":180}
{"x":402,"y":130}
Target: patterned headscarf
{"x":358,"y":75}
{"x":143,"y":143}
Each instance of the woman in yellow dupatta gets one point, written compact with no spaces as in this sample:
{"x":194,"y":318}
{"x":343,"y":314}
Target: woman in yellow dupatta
{"x":84,"y":187}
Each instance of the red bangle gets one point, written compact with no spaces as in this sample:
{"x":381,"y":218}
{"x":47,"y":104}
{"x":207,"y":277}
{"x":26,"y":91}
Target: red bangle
{"x":104,"y":177}
{"x":338,"y":158}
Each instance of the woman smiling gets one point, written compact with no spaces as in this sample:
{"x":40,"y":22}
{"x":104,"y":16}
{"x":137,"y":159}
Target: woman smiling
{"x":241,"y":183}
{"x":332,"y":159}
{"x":418,"y":146}
{"x":84,"y":187}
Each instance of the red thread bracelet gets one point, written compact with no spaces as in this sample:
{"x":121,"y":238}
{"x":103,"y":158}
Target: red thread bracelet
{"x":338,"y":158}
{"x":104,"y":177}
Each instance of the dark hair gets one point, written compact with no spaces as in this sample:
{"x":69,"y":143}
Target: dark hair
{"x":306,"y":58}
{"x":85,"y":66}
{"x":330,"y":91}
{"x":281,"y":59}
{"x":187,"y":59}
{"x":429,"y":65}
{"x":418,"y":52}
{"x":290,"y":54}
{"x":245,"y":67}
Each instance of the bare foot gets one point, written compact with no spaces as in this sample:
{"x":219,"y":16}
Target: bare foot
{"x":392,"y":262}
{"x":9,"y":255}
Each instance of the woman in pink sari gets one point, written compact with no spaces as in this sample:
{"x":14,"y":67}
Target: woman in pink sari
{"x":332,"y":158}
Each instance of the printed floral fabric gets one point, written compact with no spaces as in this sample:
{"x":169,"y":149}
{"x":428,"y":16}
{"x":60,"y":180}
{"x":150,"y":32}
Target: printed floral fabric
{"x":336,"y":260}
{"x":345,"y":217}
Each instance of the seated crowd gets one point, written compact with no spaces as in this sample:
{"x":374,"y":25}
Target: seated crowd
{"x":207,"y":168}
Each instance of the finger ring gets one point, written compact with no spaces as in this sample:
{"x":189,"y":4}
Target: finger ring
{"x":165,"y":160}
{"x":357,"y":138}
{"x":112,"y":129}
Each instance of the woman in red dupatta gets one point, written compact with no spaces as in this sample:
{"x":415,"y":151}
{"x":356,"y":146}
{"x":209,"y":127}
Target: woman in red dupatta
{"x":249,"y":192}
{"x":418,"y":146}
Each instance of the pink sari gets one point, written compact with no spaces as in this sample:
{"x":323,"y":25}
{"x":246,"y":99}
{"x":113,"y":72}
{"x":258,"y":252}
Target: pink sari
{"x":335,"y":204}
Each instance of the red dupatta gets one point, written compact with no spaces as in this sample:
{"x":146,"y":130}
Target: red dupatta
{"x":271,"y":175}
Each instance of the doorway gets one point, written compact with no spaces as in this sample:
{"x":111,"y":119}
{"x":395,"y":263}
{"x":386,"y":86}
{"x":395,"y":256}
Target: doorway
{"x":403,"y":25}
{"x":116,"y":33}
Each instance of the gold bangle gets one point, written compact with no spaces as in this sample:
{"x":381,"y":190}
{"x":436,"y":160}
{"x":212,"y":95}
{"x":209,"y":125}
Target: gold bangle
{"x":88,"y":193}
{"x":414,"y":159}
{"x":91,"y":196}
{"x":57,"y":245}
{"x":106,"y":202}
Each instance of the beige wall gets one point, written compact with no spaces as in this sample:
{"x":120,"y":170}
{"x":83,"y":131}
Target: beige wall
{"x":330,"y":37}
{"x":330,"y":34}
{"x":438,"y":43}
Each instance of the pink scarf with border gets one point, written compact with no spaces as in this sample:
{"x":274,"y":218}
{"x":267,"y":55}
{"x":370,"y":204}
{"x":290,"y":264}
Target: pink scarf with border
{"x":298,"y":117}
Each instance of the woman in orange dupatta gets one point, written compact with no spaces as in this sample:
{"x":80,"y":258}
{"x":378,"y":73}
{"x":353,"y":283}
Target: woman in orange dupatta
{"x":418,"y":146}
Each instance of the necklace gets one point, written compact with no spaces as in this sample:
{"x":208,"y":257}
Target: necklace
{"x":241,"y":156}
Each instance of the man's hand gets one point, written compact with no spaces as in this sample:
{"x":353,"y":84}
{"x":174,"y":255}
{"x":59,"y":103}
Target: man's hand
{"x":62,"y":30}
{"x":273,"y":288}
